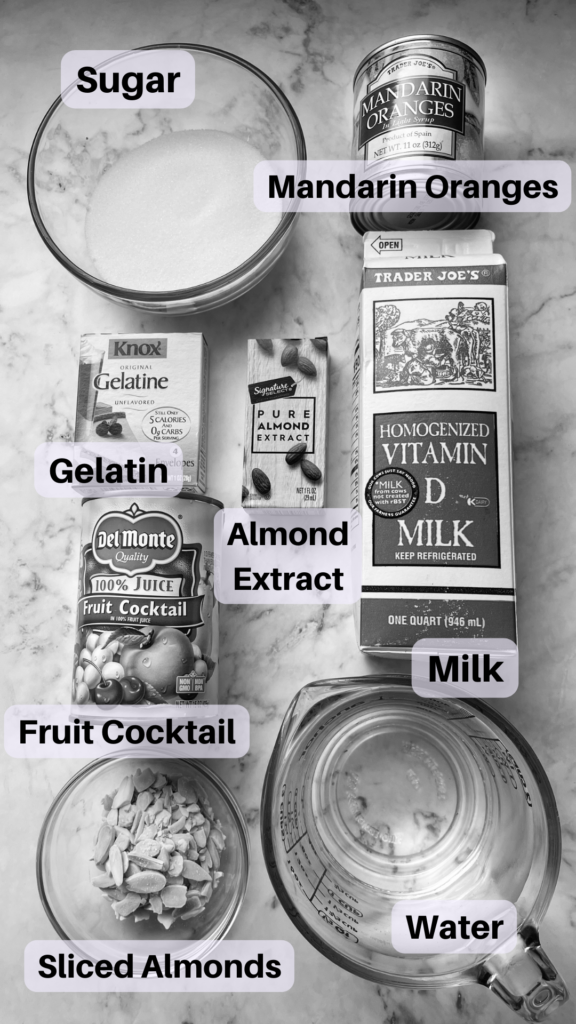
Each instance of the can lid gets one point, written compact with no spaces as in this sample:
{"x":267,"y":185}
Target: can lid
{"x":426,"y":39}
{"x":160,"y":497}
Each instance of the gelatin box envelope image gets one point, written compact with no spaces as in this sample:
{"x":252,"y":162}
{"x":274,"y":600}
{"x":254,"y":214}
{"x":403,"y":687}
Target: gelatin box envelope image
{"x":146,"y":387}
{"x":285,"y":423}
{"x":431,"y":455}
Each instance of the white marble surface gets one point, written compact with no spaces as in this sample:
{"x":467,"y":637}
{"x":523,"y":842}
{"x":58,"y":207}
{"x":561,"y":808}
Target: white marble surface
{"x":311,"y":47}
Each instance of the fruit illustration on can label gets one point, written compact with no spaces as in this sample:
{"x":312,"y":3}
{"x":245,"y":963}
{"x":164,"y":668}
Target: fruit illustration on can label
{"x":147,"y":618}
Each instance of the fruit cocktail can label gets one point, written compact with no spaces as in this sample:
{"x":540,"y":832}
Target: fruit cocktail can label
{"x":147,"y":622}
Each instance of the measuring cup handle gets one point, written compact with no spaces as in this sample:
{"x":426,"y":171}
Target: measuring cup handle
{"x":526,"y":980}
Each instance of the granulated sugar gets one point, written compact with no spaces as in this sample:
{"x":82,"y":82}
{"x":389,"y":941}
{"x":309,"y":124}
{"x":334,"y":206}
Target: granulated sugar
{"x":177,"y":212}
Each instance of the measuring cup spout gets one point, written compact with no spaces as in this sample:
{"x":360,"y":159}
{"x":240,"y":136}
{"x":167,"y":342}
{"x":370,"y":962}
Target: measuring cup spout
{"x":526,"y":980}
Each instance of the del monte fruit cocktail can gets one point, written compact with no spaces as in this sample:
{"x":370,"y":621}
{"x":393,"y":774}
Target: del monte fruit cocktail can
{"x":147,"y":622}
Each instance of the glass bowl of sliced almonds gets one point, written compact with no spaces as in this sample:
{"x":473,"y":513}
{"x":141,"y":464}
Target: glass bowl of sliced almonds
{"x":143,"y":849}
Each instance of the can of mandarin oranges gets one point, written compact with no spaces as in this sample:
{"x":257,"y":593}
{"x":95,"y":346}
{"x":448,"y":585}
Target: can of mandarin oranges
{"x":415,"y":98}
{"x":147,"y":621}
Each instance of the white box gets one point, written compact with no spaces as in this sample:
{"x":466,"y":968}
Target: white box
{"x":431,"y":449}
{"x":146,"y":387}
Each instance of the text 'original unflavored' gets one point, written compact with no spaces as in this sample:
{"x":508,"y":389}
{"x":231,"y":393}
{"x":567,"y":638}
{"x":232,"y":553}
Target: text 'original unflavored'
{"x":431,"y":458}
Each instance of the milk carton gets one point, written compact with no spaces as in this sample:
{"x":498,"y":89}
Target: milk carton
{"x":431,"y":449}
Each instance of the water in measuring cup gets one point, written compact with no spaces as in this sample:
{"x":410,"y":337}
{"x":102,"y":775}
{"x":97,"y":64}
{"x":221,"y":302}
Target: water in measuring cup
{"x":380,"y":801}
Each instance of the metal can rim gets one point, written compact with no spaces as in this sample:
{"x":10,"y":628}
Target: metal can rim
{"x":417,"y":39}
{"x":456,"y":224}
{"x":189,"y":497}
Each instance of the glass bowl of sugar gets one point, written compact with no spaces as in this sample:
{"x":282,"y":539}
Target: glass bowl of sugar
{"x":154,"y":208}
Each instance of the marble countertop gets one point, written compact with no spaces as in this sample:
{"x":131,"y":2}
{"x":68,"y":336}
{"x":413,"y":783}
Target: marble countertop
{"x":311,"y":48}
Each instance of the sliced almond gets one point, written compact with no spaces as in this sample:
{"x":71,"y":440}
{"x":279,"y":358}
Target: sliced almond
{"x":217,"y":838}
{"x":192,"y":913}
{"x":200,"y":837}
{"x":126,"y":816}
{"x":187,"y":789}
{"x":174,"y":896}
{"x":146,"y":863}
{"x":147,"y":848}
{"x":103,"y":881}
{"x":127,"y":906}
{"x":143,"y":779}
{"x":214,"y":852}
{"x":116,"y":865}
{"x":123,"y":841}
{"x":146,"y":881}
{"x":195,"y":872}
{"x":156,"y":905}
{"x":166,"y":920}
{"x":176,"y":862}
{"x":143,"y":800}
{"x":177,"y":826}
{"x":104,"y":841}
{"x":114,"y":895}
{"x":125,"y":792}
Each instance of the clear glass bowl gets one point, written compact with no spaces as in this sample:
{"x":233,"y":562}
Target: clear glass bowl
{"x":77,"y":909}
{"x":73,"y":148}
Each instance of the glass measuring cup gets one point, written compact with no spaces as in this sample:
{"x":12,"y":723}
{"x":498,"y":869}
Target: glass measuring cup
{"x":374,"y":795}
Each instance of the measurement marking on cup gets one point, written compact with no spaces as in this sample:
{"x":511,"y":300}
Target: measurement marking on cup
{"x":317,"y":885}
{"x":300,"y":838}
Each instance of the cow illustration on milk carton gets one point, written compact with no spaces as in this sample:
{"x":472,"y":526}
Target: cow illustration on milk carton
{"x":434,"y":343}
